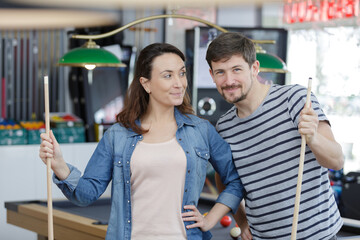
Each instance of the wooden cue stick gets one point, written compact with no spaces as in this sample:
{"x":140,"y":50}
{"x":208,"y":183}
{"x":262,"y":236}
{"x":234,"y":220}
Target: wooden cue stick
{"x":48,"y":162}
{"x":300,"y":173}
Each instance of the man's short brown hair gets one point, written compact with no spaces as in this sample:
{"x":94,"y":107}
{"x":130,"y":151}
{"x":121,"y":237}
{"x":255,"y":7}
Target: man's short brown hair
{"x":228,"y":44}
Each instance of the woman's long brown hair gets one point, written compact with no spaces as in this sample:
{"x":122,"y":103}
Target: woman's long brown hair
{"x":137,"y":99}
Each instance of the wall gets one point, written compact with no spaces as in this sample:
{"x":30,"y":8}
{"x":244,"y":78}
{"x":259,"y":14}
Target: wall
{"x":23,"y":177}
{"x":244,"y":16}
{"x":140,"y":38}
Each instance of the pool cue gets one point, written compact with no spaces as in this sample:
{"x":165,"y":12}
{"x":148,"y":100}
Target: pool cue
{"x":300,"y":173}
{"x":48,"y":162}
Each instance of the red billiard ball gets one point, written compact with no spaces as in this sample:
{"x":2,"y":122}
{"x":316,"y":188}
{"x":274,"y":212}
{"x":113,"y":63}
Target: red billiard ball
{"x":225,"y":221}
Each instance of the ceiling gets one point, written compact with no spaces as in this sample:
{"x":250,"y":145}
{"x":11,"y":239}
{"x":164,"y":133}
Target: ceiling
{"x":111,"y":4}
{"x":18,"y":18}
{"x":53,"y":14}
{"x":17,"y":15}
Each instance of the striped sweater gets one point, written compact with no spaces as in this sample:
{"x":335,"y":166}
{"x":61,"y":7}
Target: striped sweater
{"x":266,"y":151}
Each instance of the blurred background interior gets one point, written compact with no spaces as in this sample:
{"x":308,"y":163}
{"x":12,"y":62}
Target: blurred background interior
{"x":314,"y":38}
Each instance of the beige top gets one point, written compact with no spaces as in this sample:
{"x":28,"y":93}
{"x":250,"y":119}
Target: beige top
{"x":157,"y":185}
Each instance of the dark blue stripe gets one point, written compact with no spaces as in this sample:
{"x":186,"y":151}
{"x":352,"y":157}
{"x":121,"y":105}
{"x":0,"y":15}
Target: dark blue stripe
{"x":275,"y":97}
{"x":277,"y":87}
{"x":285,"y":189}
{"x":272,"y":184}
{"x":266,"y":149}
{"x":252,"y":119}
{"x":303,"y":220}
{"x":285,"y":199}
{"x":290,"y":217}
{"x":280,"y":172}
{"x":284,"y":180}
{"x":231,"y":110}
{"x":274,"y":86}
{"x":296,"y":91}
{"x":270,"y":128}
{"x":262,"y":132}
{"x":264,"y":160}
{"x":298,"y":113}
{"x":270,"y":194}
{"x":293,"y":106}
{"x":319,"y":222}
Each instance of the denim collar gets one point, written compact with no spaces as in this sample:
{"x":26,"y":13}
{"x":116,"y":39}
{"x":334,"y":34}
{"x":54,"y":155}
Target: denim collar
{"x":180,"y":118}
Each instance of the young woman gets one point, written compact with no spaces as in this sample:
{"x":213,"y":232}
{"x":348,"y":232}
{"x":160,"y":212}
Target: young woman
{"x":156,"y":156}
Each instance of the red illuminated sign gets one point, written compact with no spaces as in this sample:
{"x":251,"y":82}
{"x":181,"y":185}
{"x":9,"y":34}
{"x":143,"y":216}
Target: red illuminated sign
{"x":296,"y":11}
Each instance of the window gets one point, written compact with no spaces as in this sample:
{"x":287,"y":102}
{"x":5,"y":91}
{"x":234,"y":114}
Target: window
{"x":331,"y":56}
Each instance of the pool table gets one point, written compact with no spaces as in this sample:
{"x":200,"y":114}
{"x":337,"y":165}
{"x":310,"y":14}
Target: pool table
{"x":89,"y":223}
{"x":69,"y":221}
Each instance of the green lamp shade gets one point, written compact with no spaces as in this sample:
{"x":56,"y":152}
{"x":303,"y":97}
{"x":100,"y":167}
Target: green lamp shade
{"x":79,"y":57}
{"x":271,"y":63}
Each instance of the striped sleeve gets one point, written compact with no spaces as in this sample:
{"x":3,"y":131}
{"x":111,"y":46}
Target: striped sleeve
{"x":296,"y":102}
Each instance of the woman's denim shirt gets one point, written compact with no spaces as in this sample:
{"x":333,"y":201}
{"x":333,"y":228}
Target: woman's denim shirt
{"x":111,"y":161}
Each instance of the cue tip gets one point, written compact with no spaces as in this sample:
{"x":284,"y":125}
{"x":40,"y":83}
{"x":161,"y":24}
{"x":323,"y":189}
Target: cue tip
{"x":309,"y":82}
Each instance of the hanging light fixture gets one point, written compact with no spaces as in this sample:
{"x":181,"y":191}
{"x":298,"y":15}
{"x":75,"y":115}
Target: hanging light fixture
{"x":91,"y":55}
{"x":269,"y":62}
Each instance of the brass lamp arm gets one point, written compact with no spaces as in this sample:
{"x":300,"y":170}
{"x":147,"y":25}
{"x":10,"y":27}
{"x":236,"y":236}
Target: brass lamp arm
{"x":101,"y":57}
{"x":145,"y":19}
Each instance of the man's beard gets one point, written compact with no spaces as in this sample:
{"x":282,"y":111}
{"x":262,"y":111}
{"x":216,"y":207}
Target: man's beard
{"x":241,"y":97}
{"x":237,"y":99}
